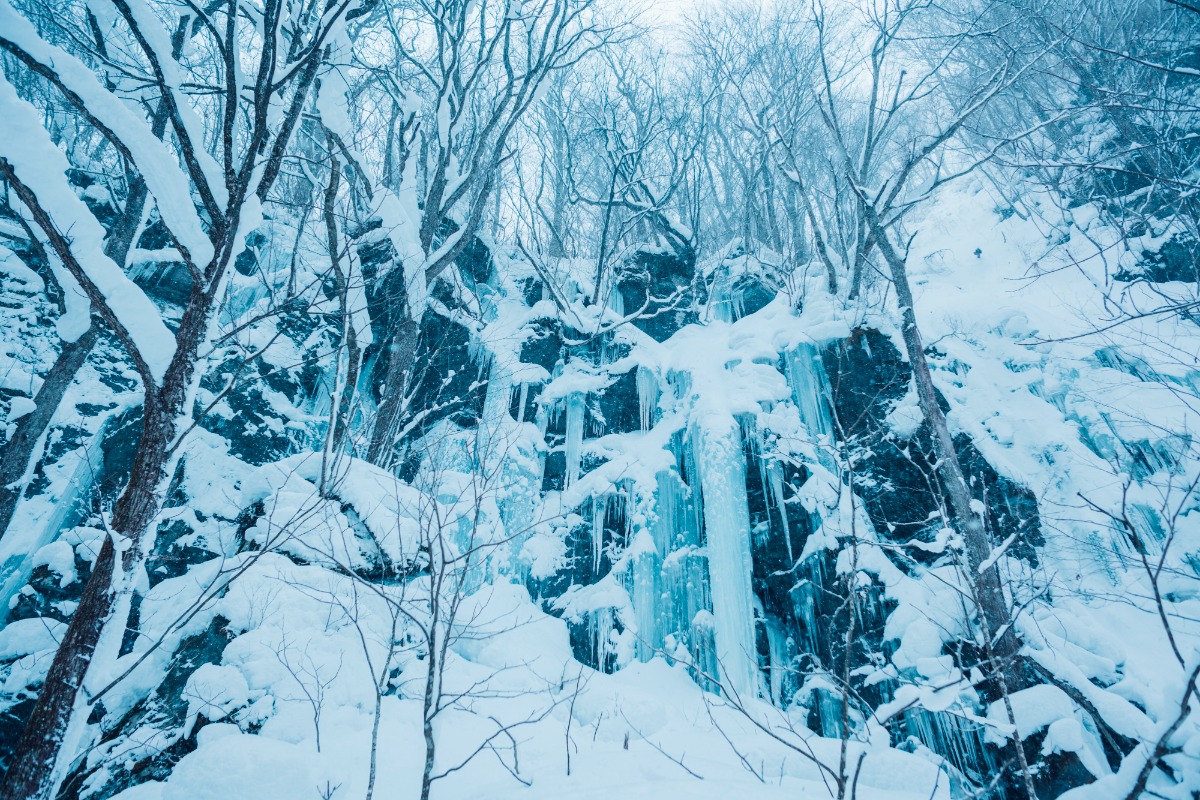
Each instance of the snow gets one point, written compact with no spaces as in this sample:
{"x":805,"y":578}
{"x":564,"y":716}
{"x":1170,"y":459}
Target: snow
{"x":60,"y":558}
{"x":906,"y":417}
{"x":613,"y":725}
{"x":19,"y":407}
{"x":42,"y":167}
{"x":28,"y":636}
{"x":680,"y":585}
{"x":214,"y":691}
{"x":243,"y":766}
{"x":322,"y":574}
{"x":996,"y":553}
{"x":158,"y":167}
{"x":300,"y":520}
{"x":1034,"y":709}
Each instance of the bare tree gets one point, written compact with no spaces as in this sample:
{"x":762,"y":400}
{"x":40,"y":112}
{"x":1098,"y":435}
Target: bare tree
{"x":289,"y":43}
{"x":484,"y":70}
{"x":23,"y":445}
{"x":915,"y":169}
{"x":448,"y":532}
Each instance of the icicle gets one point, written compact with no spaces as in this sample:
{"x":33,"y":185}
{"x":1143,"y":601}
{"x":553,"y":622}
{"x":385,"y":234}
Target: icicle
{"x":810,"y":579}
{"x":954,"y":738}
{"x":722,"y":464}
{"x":682,"y":577}
{"x":1148,"y":524}
{"x":722,"y":296}
{"x":523,"y":402}
{"x":810,"y":391}
{"x":643,"y":575}
{"x":703,"y":648}
{"x":647,"y":388}
{"x":574,"y":433}
{"x":601,"y":624}
{"x":616,"y":301}
{"x":738,"y":301}
{"x":774,"y":484}
{"x":599,"y":513}
{"x":243,"y":296}
{"x":783,"y":652}
{"x":498,"y":394}
{"x":24,"y":540}
{"x":829,"y":709}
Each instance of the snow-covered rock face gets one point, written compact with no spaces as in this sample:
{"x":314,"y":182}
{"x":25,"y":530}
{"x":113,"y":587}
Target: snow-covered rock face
{"x":652,"y":555}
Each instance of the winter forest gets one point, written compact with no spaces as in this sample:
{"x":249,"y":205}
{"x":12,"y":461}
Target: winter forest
{"x":537,"y":399}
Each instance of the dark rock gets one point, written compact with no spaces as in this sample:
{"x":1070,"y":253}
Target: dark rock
{"x":895,"y":477}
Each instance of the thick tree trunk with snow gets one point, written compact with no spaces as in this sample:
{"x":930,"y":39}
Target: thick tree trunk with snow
{"x":32,"y":773}
{"x":166,"y":411}
{"x":394,"y":394}
{"x":402,"y":354}
{"x":23,"y":446}
{"x":30,"y":776}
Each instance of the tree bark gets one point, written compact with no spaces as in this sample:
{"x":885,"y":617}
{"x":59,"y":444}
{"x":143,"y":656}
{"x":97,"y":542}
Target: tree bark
{"x":31,"y":775}
{"x":989,"y":590}
{"x":402,"y":355}
{"x":19,"y":450}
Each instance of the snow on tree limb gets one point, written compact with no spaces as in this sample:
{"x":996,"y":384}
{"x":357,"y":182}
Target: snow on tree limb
{"x":42,"y":167}
{"x":129,"y":134}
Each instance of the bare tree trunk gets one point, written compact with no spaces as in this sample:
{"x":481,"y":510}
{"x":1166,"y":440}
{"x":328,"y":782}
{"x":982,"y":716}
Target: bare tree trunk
{"x":31,"y":775}
{"x":1018,"y":745}
{"x":557,"y":163}
{"x":861,"y":253}
{"x":429,"y":708}
{"x":435,"y":660}
{"x":402,"y":354}
{"x":820,"y":245}
{"x":989,"y":590}
{"x":343,"y":404}
{"x":389,"y":178}
{"x":22,"y":448}
{"x":557,"y":247}
{"x":19,"y":450}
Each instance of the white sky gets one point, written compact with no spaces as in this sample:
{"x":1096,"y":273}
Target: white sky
{"x":666,"y":12}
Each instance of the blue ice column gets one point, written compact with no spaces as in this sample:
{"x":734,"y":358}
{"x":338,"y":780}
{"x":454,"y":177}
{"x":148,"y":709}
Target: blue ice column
{"x":722,"y":464}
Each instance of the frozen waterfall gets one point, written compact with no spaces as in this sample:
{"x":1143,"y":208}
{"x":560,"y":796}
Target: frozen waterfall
{"x":722,"y":466}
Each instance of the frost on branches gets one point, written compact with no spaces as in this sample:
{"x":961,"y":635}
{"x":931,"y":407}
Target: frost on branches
{"x":536,"y":399}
